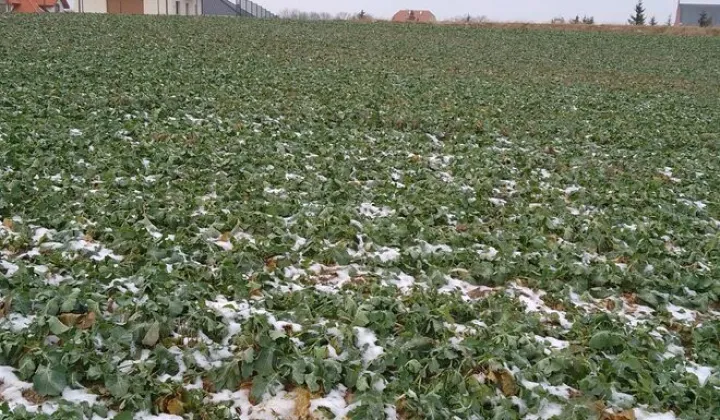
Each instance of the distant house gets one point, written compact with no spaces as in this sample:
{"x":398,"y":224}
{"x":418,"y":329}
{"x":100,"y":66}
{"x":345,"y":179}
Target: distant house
{"x":137,"y":7}
{"x":33,"y":6}
{"x":245,"y":8}
{"x":422,"y":16}
{"x":688,"y":14}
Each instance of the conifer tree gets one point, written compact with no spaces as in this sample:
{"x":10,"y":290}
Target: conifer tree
{"x":639,"y":17}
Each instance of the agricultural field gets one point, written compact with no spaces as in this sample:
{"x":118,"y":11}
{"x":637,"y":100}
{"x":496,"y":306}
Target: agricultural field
{"x":226,"y":218}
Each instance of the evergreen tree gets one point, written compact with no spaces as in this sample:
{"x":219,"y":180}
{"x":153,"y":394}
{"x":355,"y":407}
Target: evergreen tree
{"x":704,"y":20}
{"x":588,"y":20}
{"x":639,"y":17}
{"x":669,"y":21}
{"x":576,"y":20}
{"x":653,"y":22}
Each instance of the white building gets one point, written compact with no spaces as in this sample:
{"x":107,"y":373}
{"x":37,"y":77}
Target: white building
{"x":139,"y":7}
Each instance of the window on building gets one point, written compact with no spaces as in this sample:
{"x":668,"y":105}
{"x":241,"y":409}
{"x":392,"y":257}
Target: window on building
{"x":177,"y":7}
{"x":187,"y":9}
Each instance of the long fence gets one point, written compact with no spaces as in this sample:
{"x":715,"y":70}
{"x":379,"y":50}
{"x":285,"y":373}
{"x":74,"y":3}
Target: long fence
{"x":254,"y":9}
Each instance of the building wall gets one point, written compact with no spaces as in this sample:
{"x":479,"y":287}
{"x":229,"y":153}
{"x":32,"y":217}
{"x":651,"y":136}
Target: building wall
{"x":221,"y":8}
{"x":689,"y":14}
{"x":90,"y":6}
{"x":150,"y":7}
{"x":173,"y":7}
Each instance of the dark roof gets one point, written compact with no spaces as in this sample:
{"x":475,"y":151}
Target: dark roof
{"x":244,"y":8}
{"x":688,"y":14}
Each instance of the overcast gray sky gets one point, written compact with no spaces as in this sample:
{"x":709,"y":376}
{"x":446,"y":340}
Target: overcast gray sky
{"x":604,"y":11}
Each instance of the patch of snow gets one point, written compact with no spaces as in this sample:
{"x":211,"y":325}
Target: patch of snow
{"x":293,"y":273}
{"x":672,"y":350}
{"x":622,"y":399}
{"x":78,"y":396}
{"x":681,"y":314}
{"x":17,"y":322}
{"x":365,"y":340}
{"x":697,"y":204}
{"x":278,"y":406}
{"x":283,"y":325}
{"x":702,"y":372}
{"x":571,"y":189}
{"x":11,"y":389}
{"x":178,"y":377}
{"x":533,"y":303}
{"x":390,"y":412}
{"x":10,"y":268}
{"x":41,"y":233}
{"x":497,"y":201}
{"x":98,"y":251}
{"x":372,"y":211}
{"x":402,"y":281}
{"x":335,"y":402}
{"x":386,"y":254}
{"x":464,"y":287}
{"x":487,"y":253}
{"x":299,"y":243}
{"x":332,"y":279}
{"x":124,"y":284}
{"x":430,"y":249}
{"x":562,"y":391}
{"x":641,"y":414}
{"x":552,"y":342}
{"x":276,"y":191}
{"x":547,"y":411}
{"x":145,"y":415}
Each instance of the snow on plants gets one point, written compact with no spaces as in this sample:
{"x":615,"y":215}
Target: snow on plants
{"x":211,"y":220}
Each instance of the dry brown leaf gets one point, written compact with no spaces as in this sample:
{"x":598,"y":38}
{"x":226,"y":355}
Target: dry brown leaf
{"x":111,"y":305}
{"x":86,"y":321}
{"x":32,"y":396}
{"x":207,"y":385}
{"x":271,"y":264}
{"x":225,"y":237}
{"x":302,"y":404}
{"x":623,"y":415}
{"x":69,"y":319}
{"x":8,"y":223}
{"x":479,"y":292}
{"x":574,"y":393}
{"x":5,"y":307}
{"x":504,"y":380}
{"x":82,"y":321}
{"x":174,"y":406}
{"x":461,"y":228}
{"x":630,"y":298}
{"x":609,"y":304}
{"x":623,"y":259}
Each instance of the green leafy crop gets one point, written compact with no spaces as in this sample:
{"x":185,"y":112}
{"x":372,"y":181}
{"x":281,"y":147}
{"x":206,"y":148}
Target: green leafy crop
{"x":226,"y":218}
